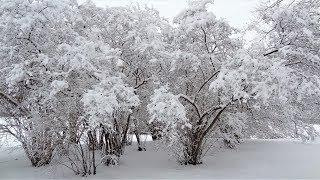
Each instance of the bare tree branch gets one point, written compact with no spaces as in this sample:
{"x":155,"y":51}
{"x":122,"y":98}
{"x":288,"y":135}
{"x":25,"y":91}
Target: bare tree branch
{"x":207,"y":81}
{"x":187,"y":99}
{"x":271,"y":52}
{"x":141,"y":84}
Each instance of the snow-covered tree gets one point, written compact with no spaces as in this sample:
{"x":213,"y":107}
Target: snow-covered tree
{"x":31,"y":32}
{"x":50,"y":62}
{"x":214,"y":78}
{"x":289,"y":31}
{"x":138,"y":33}
{"x":197,"y":47}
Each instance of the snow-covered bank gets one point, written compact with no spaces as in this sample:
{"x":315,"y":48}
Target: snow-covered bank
{"x":255,"y":159}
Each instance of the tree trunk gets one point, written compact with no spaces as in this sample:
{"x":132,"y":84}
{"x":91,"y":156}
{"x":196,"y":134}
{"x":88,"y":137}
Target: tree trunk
{"x":195,"y":151}
{"x":125,"y":132}
{"x":92,"y":146}
{"x":73,"y":128}
{"x":138,"y":140}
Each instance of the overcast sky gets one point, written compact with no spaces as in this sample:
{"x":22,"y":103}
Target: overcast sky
{"x":237,"y":12}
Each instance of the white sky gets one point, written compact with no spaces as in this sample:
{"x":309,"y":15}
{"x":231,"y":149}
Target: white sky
{"x":237,"y":12}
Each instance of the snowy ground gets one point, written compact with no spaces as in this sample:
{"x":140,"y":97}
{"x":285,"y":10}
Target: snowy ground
{"x":254,"y":159}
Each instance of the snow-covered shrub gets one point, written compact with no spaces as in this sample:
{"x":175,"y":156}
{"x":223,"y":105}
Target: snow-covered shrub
{"x":78,"y":157}
{"x":39,"y":144}
{"x":137,"y":31}
{"x":166,"y":109}
{"x":57,"y":63}
{"x":105,"y":106}
{"x":110,"y":160}
{"x":305,"y":132}
{"x":231,"y":128}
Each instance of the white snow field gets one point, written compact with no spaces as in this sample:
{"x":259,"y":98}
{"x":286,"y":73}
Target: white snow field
{"x":254,"y":159}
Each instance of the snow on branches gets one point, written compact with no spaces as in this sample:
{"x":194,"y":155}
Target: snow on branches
{"x":73,"y":72}
{"x":245,"y":77}
{"x":109,"y":95}
{"x":165,"y":107}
